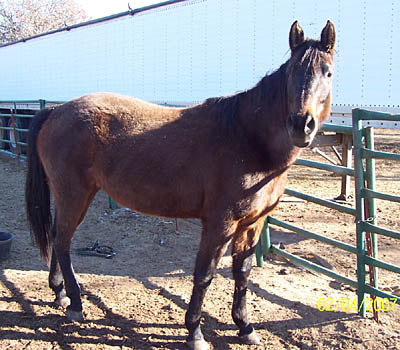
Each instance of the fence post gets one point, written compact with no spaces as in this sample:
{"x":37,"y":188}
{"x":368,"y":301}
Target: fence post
{"x":370,"y":178}
{"x":359,"y":185}
{"x":259,"y":252}
{"x":266,"y":239}
{"x":347,"y":157}
{"x":42,"y":104}
{"x":112,"y":204}
{"x":15,"y":125}
{"x":264,"y":244}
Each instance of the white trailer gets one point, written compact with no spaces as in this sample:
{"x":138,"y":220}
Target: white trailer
{"x":181,"y":52}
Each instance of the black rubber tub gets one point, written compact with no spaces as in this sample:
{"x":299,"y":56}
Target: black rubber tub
{"x":5,"y":245}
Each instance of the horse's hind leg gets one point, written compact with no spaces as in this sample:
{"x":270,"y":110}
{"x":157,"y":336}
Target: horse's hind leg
{"x":55,"y":275}
{"x":56,"y":282}
{"x":70,"y":213}
{"x":242,"y":253}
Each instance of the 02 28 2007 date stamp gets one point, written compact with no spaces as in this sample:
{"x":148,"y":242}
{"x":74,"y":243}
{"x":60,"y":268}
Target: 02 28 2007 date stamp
{"x":346,"y":304}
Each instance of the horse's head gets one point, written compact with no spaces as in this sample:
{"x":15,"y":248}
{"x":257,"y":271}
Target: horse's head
{"x":309,"y":79}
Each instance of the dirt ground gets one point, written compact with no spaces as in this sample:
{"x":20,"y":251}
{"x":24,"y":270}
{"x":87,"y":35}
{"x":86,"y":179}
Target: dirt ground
{"x":137,"y":300}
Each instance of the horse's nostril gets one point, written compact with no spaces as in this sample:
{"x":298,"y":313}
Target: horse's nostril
{"x":309,"y":125}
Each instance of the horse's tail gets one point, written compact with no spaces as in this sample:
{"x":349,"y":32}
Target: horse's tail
{"x":37,"y":192}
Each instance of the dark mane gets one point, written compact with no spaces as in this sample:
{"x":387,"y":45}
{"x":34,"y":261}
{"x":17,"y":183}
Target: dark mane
{"x":225,"y":109}
{"x":269,"y":91}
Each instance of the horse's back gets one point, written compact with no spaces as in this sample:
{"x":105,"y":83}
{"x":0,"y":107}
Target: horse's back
{"x":112,"y":113}
{"x":102,"y":119}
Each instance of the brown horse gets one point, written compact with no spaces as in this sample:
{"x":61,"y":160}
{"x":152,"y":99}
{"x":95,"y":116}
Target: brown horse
{"x":223,"y":161}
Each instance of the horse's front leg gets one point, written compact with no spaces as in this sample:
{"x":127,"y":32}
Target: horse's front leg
{"x":242,"y":253}
{"x":212,"y":248}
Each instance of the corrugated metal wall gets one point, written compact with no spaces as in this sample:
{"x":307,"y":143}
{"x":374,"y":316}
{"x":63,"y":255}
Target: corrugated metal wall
{"x":188,"y":51}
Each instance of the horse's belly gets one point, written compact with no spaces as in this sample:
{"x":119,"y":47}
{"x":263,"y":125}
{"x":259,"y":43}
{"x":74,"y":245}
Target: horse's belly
{"x":158,"y":201}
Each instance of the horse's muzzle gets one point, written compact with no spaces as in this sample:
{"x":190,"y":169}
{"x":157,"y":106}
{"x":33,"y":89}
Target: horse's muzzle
{"x":302,"y":129}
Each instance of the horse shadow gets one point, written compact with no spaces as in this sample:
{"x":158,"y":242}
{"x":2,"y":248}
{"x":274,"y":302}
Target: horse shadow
{"x":26,"y":325}
{"x":117,"y":330}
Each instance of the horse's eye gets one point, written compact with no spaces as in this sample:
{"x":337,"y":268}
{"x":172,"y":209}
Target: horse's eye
{"x":327,"y":70}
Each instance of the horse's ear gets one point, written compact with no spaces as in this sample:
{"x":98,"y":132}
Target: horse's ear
{"x":328,"y":37}
{"x":296,"y":36}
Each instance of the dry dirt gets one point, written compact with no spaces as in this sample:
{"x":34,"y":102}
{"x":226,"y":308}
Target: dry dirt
{"x":137,"y":300}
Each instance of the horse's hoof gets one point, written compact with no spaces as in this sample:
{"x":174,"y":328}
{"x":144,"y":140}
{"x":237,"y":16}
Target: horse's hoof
{"x":74,"y":315}
{"x":198,"y":345}
{"x":63,"y":302}
{"x":250,"y":339}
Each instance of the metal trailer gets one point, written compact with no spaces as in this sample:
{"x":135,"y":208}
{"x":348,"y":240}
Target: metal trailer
{"x":181,"y":52}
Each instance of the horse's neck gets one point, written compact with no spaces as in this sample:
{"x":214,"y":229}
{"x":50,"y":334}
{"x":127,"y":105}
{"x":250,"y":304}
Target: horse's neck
{"x":263,"y":116}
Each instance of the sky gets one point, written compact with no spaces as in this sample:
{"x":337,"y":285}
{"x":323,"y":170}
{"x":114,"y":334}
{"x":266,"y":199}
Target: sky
{"x":102,"y":8}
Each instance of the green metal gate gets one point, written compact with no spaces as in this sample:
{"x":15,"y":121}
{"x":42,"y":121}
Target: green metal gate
{"x":364,"y":167}
{"x":364,"y":211}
